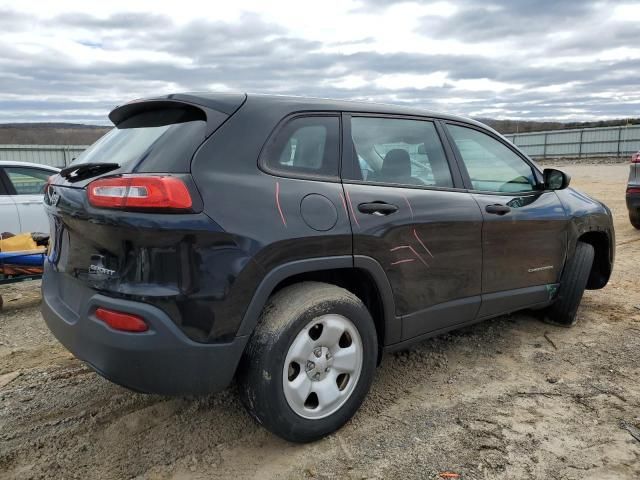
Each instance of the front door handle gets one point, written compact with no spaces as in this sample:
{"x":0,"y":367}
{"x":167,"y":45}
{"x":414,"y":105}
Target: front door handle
{"x":497,"y":209}
{"x":377,"y":208}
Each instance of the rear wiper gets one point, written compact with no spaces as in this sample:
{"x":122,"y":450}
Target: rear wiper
{"x":75,"y":173}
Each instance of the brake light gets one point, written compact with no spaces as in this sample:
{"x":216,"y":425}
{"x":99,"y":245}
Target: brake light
{"x":138,"y":191}
{"x":633,"y":190}
{"x":125,"y":322}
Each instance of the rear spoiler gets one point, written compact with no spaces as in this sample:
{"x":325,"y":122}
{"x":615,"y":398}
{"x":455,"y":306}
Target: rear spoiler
{"x":213,"y":108}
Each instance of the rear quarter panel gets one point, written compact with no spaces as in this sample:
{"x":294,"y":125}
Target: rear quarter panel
{"x":259,"y":211}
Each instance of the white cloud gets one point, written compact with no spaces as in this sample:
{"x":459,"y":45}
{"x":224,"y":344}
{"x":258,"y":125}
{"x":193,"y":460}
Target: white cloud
{"x":544,"y":59}
{"x":628,"y":12}
{"x":485,"y":85}
{"x":400,"y":81}
{"x":348,"y":82}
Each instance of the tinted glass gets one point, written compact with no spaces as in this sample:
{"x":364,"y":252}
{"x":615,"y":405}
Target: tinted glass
{"x":491,"y":165}
{"x":305,"y":145}
{"x":149,"y":142}
{"x":28,"y":181}
{"x":401,"y":152}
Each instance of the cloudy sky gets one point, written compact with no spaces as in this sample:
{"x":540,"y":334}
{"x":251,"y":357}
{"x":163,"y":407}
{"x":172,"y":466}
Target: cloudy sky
{"x":74,"y":60}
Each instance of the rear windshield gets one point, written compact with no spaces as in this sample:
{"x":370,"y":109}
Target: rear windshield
{"x":157,"y":141}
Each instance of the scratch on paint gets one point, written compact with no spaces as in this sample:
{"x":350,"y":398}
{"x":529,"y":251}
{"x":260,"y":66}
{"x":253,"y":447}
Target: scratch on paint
{"x":418,"y":256}
{"x":344,"y":204}
{"x":408,"y":205}
{"x":403,"y":261}
{"x":353,"y":213}
{"x":284,"y":222}
{"x":415,"y":234}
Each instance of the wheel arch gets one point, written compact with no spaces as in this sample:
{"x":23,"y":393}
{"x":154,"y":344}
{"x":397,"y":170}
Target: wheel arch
{"x":361,"y":275}
{"x":602,"y":262}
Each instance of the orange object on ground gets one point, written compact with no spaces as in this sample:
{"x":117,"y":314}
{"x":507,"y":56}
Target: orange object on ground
{"x":18,"y":243}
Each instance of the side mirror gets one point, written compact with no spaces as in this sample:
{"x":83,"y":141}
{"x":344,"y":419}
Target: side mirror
{"x":555,"y":179}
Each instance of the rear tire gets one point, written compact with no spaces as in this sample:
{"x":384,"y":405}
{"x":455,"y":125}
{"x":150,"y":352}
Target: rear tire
{"x":310,"y":361}
{"x":572,"y":285}
{"x":634,"y":218}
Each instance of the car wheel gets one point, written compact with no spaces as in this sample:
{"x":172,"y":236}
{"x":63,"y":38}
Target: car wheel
{"x":310,"y":361}
{"x":634,"y":218}
{"x":572,"y":285}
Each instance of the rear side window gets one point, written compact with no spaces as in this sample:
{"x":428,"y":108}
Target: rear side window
{"x":152,"y":141}
{"x":305,"y":146}
{"x":27,"y":181}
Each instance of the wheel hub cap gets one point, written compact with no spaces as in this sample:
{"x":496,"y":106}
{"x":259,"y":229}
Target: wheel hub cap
{"x":319,"y":363}
{"x":322,"y":366}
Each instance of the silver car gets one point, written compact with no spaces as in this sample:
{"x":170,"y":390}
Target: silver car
{"x":21,"y":190}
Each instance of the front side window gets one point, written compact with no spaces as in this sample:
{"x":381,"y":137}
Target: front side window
{"x":492,"y":166}
{"x":399,"y":151}
{"x":306,"y":146}
{"x":28,"y":181}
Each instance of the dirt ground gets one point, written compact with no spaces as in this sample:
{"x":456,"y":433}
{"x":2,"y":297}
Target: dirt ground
{"x":510,"y":398}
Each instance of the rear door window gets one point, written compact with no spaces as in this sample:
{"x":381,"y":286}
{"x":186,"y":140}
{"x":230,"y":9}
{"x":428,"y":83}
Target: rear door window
{"x":399,"y":152}
{"x":27,"y":180}
{"x":305,"y":146}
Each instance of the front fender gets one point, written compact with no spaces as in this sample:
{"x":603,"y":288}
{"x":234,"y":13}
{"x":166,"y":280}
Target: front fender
{"x":591,"y":221}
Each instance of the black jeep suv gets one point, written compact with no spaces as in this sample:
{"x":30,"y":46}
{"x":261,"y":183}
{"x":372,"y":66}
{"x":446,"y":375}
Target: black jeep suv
{"x":288,"y":242}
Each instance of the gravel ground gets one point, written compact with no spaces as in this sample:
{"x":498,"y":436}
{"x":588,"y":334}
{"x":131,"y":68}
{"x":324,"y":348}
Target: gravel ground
{"x":508,"y":398}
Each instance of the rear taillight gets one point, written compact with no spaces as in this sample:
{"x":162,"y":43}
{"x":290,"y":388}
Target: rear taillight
{"x":633,"y":190}
{"x":125,"y":322}
{"x":140,"y":192}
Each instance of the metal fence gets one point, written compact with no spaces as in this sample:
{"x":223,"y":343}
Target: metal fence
{"x":585,"y":142}
{"x":54,"y":155}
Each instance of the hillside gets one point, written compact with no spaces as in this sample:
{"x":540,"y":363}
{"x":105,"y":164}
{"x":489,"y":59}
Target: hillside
{"x":50,"y":133}
{"x":523,"y":126}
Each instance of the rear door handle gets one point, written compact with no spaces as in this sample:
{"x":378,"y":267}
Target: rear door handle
{"x":497,"y":209}
{"x":377,"y":208}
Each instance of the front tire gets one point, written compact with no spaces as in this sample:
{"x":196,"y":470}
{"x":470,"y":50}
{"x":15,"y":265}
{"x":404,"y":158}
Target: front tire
{"x":572,"y":285}
{"x":634,"y":218}
{"x":310,"y":361}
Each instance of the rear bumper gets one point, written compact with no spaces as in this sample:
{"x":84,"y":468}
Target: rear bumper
{"x":162,"y":360}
